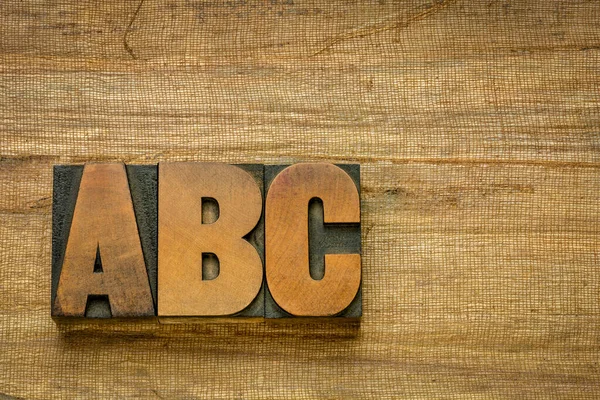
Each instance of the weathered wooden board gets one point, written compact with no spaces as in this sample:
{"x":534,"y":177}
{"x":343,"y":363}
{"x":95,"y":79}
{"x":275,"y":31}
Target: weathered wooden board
{"x":476,"y":124}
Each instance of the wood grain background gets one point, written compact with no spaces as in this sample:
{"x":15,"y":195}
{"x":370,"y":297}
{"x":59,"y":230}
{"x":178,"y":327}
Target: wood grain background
{"x":477,"y":125}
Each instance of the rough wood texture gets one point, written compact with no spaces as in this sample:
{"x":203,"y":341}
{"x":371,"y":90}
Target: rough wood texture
{"x":476,"y":124}
{"x":103,"y":255}
{"x":287,"y":270}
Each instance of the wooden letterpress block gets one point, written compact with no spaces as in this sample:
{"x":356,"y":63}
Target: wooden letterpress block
{"x":312,"y":241}
{"x":102,"y":265}
{"x":211,"y":241}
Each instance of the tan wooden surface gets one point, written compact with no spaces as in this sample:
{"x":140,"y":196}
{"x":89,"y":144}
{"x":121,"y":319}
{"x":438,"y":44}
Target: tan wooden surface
{"x":477,"y":125}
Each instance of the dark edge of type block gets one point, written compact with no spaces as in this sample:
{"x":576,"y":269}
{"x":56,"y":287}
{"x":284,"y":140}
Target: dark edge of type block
{"x":65,"y":187}
{"x":323,"y":238}
{"x":143,"y":185}
{"x":256,"y":237}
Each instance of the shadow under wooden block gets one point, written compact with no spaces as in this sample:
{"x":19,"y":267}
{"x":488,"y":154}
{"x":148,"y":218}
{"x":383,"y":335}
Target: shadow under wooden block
{"x":323,"y":238}
{"x":138,"y":198}
{"x":209,"y":264}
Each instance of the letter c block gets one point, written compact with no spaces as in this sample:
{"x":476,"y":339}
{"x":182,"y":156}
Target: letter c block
{"x":313,"y":224}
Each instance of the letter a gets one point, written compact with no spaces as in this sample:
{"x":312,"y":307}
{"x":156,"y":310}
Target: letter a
{"x":103,"y":257}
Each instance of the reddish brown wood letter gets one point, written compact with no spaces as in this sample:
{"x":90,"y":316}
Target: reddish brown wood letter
{"x":183,"y":239}
{"x":104,"y":227}
{"x":287,"y":258}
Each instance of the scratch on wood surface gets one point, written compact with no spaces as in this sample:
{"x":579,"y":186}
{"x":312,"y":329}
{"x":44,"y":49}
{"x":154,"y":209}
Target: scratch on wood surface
{"x":383,"y":27}
{"x":128,"y":30}
{"x":8,"y":397}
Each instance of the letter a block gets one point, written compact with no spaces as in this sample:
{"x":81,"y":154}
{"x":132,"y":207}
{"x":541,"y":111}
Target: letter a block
{"x":100,"y":266}
{"x":312,"y":241}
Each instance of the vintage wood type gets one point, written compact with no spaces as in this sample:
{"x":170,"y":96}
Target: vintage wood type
{"x":294,"y":189}
{"x":103,"y":272}
{"x":305,"y":277}
{"x":185,"y":241}
{"x":475,"y":123}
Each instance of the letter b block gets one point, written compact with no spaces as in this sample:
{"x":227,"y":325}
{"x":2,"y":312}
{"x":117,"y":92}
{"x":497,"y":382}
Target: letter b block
{"x":189,"y":239}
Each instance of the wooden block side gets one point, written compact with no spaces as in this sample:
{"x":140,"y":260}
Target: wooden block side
{"x":65,"y":186}
{"x":256,"y":238}
{"x":143,"y":183}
